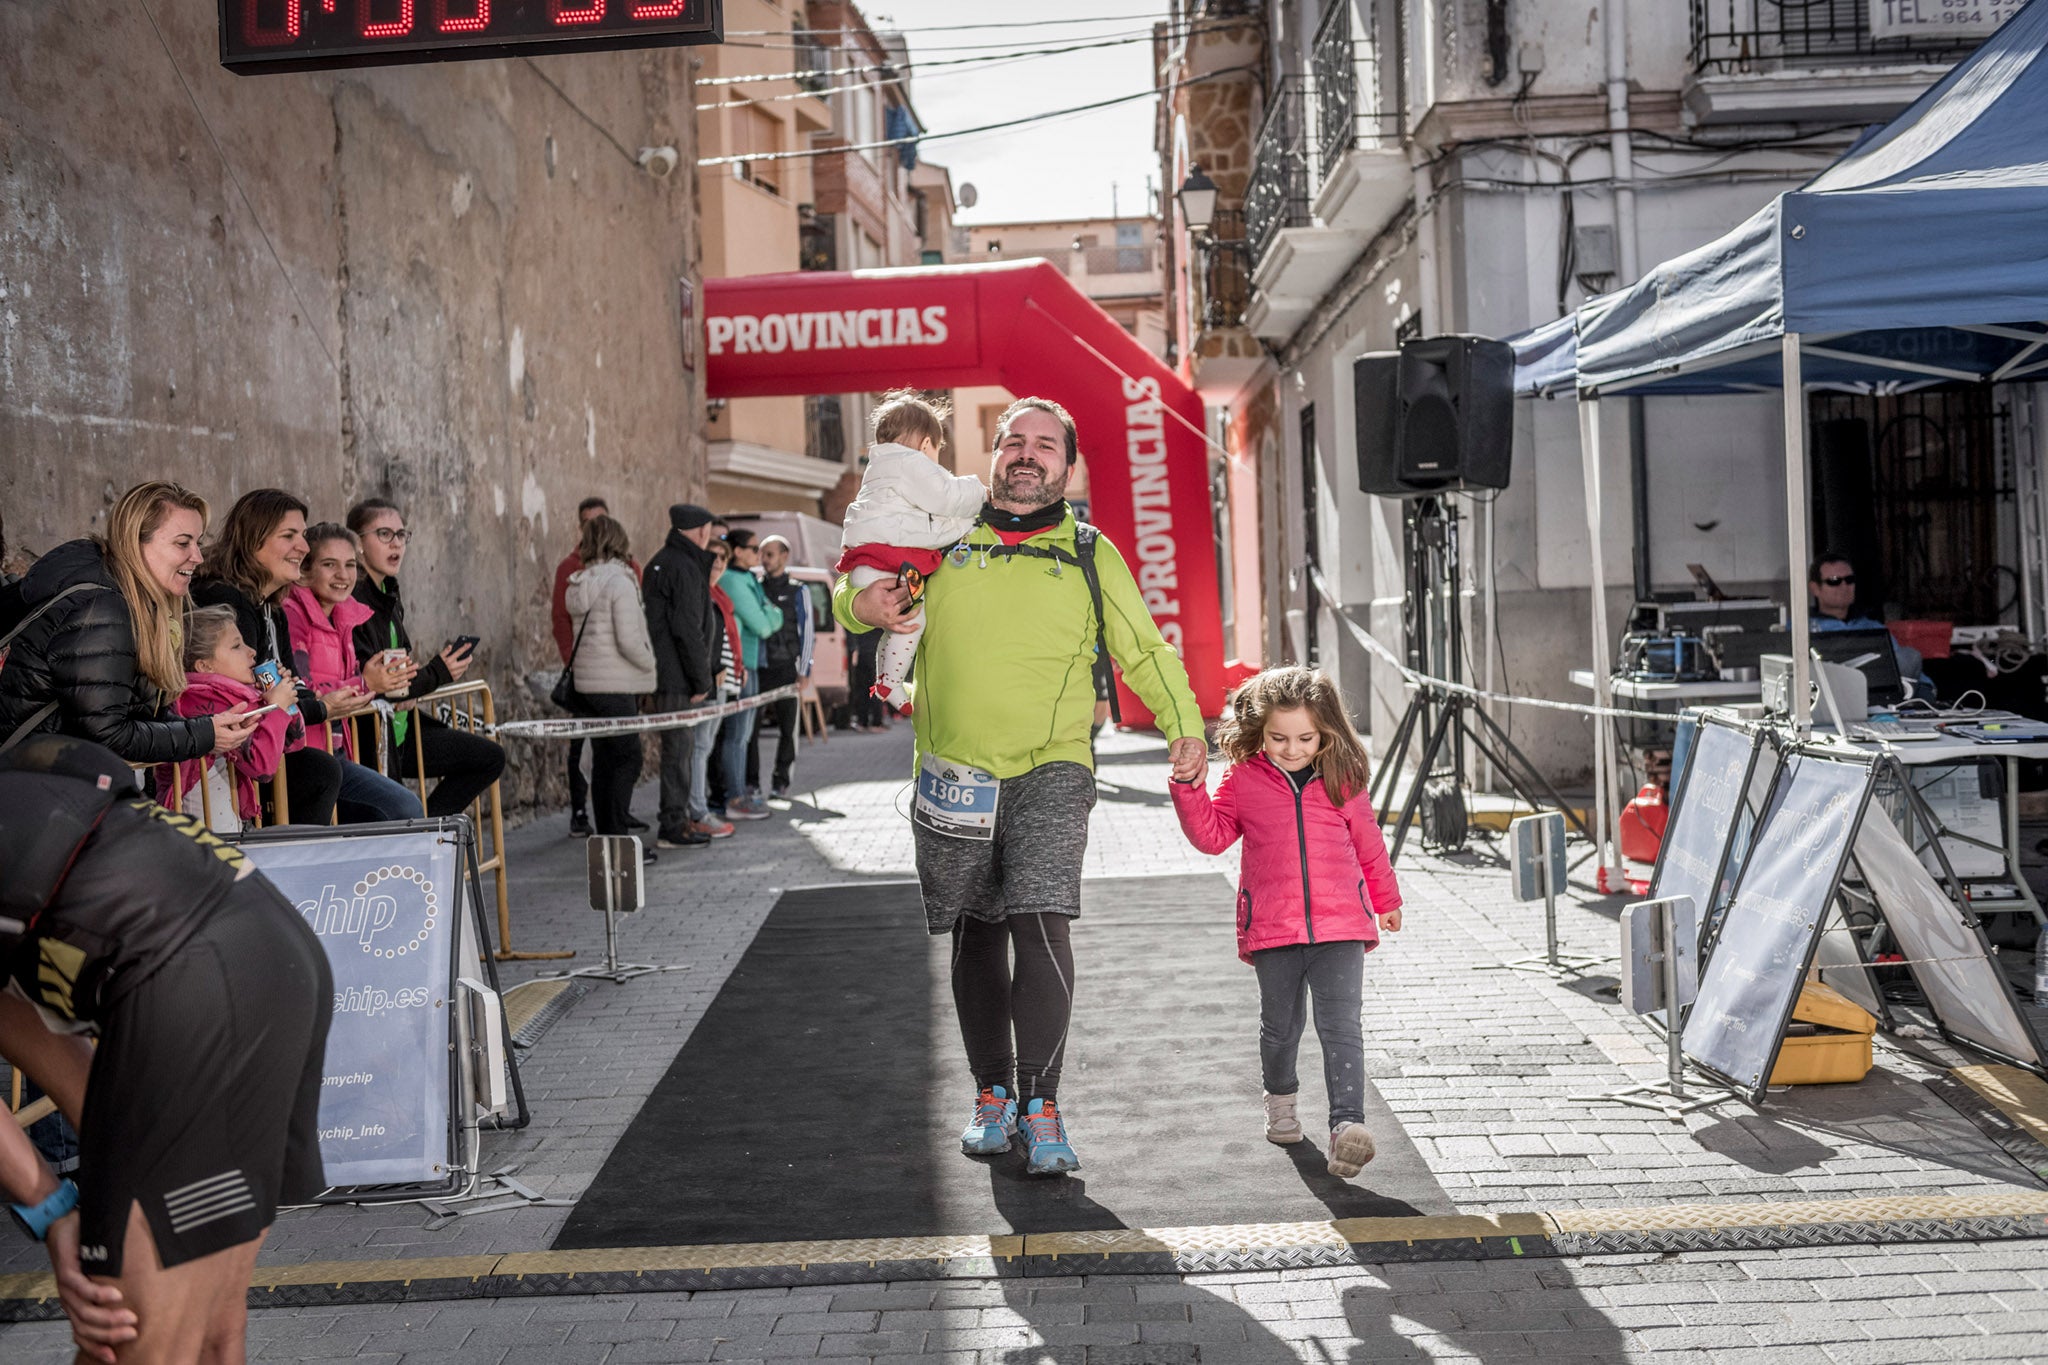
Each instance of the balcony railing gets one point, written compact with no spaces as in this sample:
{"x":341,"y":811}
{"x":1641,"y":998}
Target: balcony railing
{"x":1283,"y":167}
{"x":817,"y":240}
{"x":1351,"y":107}
{"x":1117,"y":260}
{"x":1223,"y":274}
{"x":813,"y":65}
{"x":1740,"y":36}
{"x":824,"y":428}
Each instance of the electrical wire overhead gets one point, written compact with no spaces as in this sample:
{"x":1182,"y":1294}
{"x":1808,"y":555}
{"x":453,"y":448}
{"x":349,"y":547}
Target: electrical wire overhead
{"x":917,"y":65}
{"x":984,"y":128}
{"x":953,"y":28}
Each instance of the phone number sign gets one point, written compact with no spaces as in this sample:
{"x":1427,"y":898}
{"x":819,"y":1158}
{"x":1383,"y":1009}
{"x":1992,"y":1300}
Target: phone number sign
{"x":1935,"y":18}
{"x":312,"y":35}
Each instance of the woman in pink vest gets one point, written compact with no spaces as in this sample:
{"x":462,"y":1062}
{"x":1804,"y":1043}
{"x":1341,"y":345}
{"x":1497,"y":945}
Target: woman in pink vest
{"x":323,"y":614}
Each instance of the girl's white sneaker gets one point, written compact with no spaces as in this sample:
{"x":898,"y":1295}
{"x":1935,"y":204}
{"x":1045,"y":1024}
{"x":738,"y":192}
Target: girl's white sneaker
{"x":1350,"y":1148}
{"x":1282,"y":1125}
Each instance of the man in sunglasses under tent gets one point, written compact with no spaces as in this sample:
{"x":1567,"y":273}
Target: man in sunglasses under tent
{"x":1832,"y":581}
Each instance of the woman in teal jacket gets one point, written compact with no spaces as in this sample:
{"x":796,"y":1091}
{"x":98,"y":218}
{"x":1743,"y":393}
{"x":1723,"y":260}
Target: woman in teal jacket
{"x":758,"y":619}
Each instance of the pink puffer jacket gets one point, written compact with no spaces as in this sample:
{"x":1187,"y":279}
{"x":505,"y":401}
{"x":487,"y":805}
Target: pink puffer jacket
{"x":1310,"y":872}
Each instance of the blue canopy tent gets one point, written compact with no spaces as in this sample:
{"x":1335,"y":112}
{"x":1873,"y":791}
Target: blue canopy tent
{"x":1920,"y":257}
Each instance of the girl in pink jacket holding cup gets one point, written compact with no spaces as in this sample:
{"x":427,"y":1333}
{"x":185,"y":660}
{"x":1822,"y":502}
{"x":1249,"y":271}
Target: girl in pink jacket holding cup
{"x":1314,"y":887}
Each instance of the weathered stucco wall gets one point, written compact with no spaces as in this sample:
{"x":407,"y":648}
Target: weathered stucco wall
{"x":449,"y":285}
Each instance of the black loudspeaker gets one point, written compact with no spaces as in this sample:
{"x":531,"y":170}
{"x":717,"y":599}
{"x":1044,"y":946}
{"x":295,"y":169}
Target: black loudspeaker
{"x":1437,"y":416}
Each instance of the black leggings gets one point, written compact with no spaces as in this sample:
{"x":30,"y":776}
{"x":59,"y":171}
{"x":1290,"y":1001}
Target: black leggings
{"x":1033,"y":1002}
{"x":312,"y":784}
{"x":467,"y":765}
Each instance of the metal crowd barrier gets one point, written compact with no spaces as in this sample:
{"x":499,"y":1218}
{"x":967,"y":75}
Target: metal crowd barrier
{"x":465,"y":706}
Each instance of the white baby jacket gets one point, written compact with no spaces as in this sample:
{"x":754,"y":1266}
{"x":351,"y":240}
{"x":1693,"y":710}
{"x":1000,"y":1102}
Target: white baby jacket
{"x":908,"y":499}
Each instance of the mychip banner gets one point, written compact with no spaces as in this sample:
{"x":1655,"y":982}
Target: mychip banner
{"x":386,"y":908}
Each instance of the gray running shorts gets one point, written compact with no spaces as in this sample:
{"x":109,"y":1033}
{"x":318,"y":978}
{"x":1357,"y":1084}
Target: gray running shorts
{"x":1031,"y":867}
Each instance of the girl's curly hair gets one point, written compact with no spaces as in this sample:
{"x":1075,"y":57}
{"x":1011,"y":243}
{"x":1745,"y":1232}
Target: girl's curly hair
{"x":1341,"y":761}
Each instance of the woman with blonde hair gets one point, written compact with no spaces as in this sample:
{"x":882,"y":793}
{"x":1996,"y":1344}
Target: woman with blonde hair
{"x":96,"y":651}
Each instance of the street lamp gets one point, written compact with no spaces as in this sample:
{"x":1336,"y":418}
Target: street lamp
{"x":1197,"y":196}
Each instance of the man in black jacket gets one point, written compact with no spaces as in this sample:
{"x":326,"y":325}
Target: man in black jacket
{"x":676,"y":589}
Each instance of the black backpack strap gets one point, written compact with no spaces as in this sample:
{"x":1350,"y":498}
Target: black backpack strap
{"x":1085,"y":537}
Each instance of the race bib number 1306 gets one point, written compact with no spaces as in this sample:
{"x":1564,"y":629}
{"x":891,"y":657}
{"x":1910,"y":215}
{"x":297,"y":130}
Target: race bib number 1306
{"x":956,"y":800}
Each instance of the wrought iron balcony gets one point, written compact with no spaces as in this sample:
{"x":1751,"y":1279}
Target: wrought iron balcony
{"x":1283,"y":167}
{"x":1742,"y":36}
{"x":1223,"y":274}
{"x":1352,"y":108}
{"x":813,"y":65}
{"x":824,"y":428}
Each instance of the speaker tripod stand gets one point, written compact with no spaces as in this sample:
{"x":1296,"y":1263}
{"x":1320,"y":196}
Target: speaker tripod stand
{"x":1441,"y":715}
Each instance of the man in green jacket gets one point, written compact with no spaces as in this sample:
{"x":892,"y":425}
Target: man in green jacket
{"x":1004,"y":699}
{"x":758,"y":619}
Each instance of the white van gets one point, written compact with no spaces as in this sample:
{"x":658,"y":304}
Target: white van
{"x":813,"y":550}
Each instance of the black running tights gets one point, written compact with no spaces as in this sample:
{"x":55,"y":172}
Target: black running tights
{"x":1015,"y":1019}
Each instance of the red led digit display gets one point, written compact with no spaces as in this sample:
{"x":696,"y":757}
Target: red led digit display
{"x":309,"y":35}
{"x":475,"y":21}
{"x":396,"y":18}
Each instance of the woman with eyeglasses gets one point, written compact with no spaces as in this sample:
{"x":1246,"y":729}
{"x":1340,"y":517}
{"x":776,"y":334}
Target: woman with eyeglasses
{"x":466,"y":764}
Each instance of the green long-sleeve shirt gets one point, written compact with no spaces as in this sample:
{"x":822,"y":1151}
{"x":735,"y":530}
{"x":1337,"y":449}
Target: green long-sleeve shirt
{"x":1005,"y":670}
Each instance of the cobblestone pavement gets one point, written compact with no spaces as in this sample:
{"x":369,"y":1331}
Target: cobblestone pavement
{"x":1480,"y":1065}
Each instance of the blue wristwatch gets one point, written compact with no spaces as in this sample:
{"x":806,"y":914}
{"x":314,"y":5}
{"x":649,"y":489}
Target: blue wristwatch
{"x":35,"y":1219}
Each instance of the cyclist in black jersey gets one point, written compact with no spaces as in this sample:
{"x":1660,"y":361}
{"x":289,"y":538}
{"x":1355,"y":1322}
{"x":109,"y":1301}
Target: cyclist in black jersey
{"x":210,"y":998}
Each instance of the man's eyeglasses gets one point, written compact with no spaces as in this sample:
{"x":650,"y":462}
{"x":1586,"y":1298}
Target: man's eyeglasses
{"x":1841,"y":581}
{"x":392,"y":535}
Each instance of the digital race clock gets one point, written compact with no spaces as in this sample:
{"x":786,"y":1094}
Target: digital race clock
{"x":309,"y":35}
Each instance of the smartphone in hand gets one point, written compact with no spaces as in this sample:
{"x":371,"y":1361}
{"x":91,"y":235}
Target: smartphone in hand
{"x":463,"y":644}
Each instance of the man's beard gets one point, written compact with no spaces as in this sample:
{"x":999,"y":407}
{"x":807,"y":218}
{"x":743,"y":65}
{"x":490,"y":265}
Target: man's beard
{"x":1032,"y":494}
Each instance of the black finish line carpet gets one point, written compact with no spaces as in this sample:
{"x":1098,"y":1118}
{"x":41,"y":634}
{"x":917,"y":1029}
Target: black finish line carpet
{"x":823,"y":1093}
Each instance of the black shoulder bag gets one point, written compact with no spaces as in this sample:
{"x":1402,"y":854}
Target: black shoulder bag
{"x":565,"y":694}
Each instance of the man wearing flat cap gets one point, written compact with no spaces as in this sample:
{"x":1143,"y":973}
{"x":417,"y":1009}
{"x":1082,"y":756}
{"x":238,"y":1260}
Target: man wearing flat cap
{"x":677,"y":591}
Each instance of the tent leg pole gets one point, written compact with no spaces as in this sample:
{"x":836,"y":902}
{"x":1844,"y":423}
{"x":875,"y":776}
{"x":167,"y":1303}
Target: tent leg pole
{"x":1606,"y":781}
{"x":1797,"y":551}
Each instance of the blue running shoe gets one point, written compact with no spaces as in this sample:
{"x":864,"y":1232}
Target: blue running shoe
{"x":1045,"y":1140}
{"x":995,"y":1119}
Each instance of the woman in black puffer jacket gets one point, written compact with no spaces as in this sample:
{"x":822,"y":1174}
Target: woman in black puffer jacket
{"x":102,"y":659}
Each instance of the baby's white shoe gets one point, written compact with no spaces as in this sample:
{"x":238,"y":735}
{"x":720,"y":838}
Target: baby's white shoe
{"x":895,"y":696}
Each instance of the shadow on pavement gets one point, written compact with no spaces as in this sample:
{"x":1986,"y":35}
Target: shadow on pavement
{"x":1484,"y":1310}
{"x":1341,"y":1196}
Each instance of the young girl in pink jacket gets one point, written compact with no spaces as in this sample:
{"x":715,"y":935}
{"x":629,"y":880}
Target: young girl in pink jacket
{"x":220,"y":673}
{"x":1313,"y":890}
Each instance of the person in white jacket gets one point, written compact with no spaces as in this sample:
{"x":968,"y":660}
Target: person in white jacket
{"x":612,"y":662}
{"x":909,"y":511}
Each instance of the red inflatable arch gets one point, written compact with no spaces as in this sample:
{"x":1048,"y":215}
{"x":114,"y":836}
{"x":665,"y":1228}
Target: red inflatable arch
{"x":1022,"y":326}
